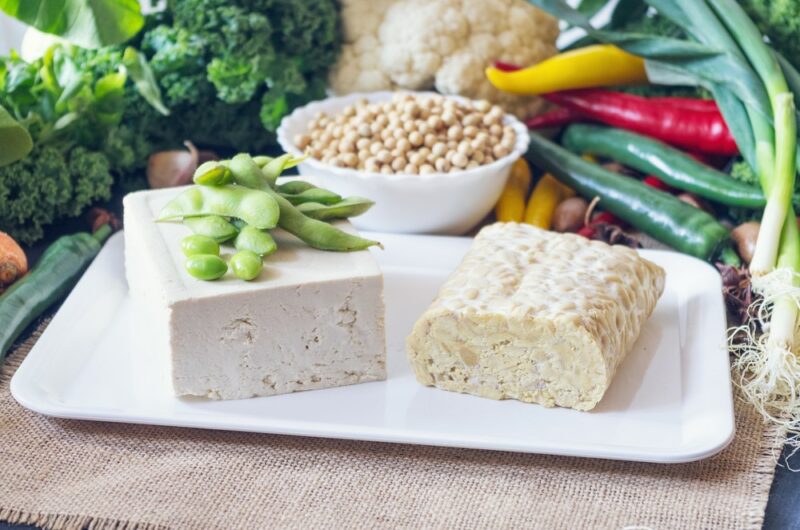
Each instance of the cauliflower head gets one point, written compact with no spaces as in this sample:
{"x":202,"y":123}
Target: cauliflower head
{"x":441,"y":44}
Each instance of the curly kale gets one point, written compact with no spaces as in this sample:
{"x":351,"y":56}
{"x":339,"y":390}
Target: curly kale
{"x":49,"y":185}
{"x":779,"y":20}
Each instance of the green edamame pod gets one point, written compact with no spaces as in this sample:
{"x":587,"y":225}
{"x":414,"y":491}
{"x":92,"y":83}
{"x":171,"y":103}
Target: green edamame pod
{"x":262,"y":160}
{"x":196,"y":244}
{"x":349,"y":207}
{"x":212,"y":173}
{"x":206,"y":267}
{"x":255,"y":240}
{"x":247,"y":265}
{"x":276,"y":166}
{"x":246,"y":172}
{"x":295,"y":186}
{"x":255,"y":207}
{"x":319,"y":195}
{"x":213,"y":226}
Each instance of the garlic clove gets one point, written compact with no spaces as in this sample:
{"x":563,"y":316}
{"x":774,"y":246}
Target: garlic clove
{"x":166,"y":169}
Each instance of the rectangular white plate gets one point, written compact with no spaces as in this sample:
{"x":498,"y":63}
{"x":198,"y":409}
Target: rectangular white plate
{"x":671,"y":400}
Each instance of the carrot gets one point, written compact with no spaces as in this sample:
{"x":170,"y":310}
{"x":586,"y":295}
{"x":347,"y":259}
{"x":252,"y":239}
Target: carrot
{"x":13,"y":263}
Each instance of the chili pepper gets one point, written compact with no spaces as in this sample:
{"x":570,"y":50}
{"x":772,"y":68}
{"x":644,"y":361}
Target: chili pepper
{"x":591,"y":66}
{"x":511,"y":205}
{"x":695,"y":104}
{"x":668,"y":164}
{"x":705,"y":131}
{"x":57,"y":271}
{"x":506,"y":67}
{"x":544,"y":199}
{"x":654,"y":212}
{"x":657,"y":183}
{"x":555,"y":118}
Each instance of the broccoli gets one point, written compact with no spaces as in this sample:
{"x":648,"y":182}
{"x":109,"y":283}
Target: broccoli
{"x":741,"y":171}
{"x":779,"y":20}
{"x":49,"y":185}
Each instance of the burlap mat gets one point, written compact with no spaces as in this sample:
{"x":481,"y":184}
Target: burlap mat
{"x":72,"y":474}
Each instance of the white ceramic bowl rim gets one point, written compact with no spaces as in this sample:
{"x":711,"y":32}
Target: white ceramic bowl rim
{"x":332,"y":104}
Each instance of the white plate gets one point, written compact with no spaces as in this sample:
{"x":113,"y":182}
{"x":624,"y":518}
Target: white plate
{"x":671,"y":400}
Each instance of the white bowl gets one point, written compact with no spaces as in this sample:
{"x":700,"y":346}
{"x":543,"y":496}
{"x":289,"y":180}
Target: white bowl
{"x":443,"y":203}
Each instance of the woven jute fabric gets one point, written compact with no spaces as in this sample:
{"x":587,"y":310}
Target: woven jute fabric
{"x":63,"y":474}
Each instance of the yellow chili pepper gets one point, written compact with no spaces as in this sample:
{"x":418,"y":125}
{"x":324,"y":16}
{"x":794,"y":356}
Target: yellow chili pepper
{"x":547,"y":194}
{"x":591,"y":66}
{"x":511,"y":205}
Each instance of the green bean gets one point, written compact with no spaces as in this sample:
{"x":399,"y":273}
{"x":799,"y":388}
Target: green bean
{"x":247,"y":265}
{"x":255,"y":207}
{"x":349,"y":207}
{"x":213,"y":226}
{"x":255,"y":240}
{"x":206,"y":267}
{"x":212,"y":173}
{"x":196,"y":244}
{"x":319,"y":195}
{"x":295,"y":186}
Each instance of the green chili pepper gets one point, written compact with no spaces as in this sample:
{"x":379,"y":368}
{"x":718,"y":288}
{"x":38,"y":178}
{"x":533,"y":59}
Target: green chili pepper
{"x":196,"y":244}
{"x":659,"y":214}
{"x":213,"y":226}
{"x":294,"y":186}
{"x":667,"y":163}
{"x":349,"y":207}
{"x":317,"y":234}
{"x":318,"y":195}
{"x":206,"y":267}
{"x":255,"y":240}
{"x":212,"y":173}
{"x":255,"y":207}
{"x":247,"y":265}
{"x":57,"y":271}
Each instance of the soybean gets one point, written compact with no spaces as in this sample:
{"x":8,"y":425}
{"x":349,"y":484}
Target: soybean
{"x":206,"y":267}
{"x":246,"y":172}
{"x":349,"y":207}
{"x":254,"y":207}
{"x":318,"y":195}
{"x":212,"y":173}
{"x":213,"y":226}
{"x":255,"y":240}
{"x":295,"y":186}
{"x":196,"y":244}
{"x":247,"y":265}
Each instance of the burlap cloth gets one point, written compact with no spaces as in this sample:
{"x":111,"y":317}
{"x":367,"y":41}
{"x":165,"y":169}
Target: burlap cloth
{"x":72,"y":474}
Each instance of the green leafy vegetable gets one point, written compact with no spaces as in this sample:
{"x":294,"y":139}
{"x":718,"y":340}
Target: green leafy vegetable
{"x":142,"y":75}
{"x":14,"y":138}
{"x":87,"y":23}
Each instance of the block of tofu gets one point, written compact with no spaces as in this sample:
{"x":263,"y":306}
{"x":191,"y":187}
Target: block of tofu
{"x":535,"y":316}
{"x":313,"y":319}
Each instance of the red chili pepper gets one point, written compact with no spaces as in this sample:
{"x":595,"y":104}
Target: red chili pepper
{"x":699,"y":105}
{"x":587,"y":231}
{"x":506,"y":67}
{"x":657,"y":183}
{"x":689,"y":129}
{"x":606,"y":218}
{"x":555,"y":118}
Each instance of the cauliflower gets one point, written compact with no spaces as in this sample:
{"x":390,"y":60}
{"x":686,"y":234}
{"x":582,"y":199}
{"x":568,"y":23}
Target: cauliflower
{"x":441,"y":44}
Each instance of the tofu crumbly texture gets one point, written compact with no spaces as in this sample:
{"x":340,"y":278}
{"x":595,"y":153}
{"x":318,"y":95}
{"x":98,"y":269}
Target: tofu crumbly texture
{"x":535,"y":316}
{"x":311,"y":320}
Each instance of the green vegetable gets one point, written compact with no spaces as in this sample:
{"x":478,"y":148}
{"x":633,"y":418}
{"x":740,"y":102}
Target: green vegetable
{"x":349,"y":207}
{"x":57,"y":271}
{"x":212,"y":173}
{"x":206,"y":267}
{"x":213,"y":226}
{"x":658,"y":214}
{"x":294,"y":187}
{"x":742,"y":172}
{"x":197,"y":244}
{"x":88,"y":23}
{"x":669,"y":164}
{"x":14,"y":138}
{"x":318,"y":195}
{"x":255,"y":240}
{"x":247,"y":265}
{"x":142,"y":75}
{"x":254,"y":207}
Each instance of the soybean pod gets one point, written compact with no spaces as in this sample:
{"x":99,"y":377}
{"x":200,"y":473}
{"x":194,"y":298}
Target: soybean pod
{"x":349,"y":207}
{"x":213,"y":226}
{"x":294,"y":187}
{"x":255,"y":240}
{"x":318,"y":195}
{"x":255,"y":207}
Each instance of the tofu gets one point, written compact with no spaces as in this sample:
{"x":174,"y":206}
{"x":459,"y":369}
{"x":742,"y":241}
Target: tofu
{"x":535,"y":316}
{"x":312,"y":320}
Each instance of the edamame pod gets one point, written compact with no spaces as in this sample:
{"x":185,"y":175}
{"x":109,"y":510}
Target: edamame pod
{"x":262,"y":160}
{"x":255,"y":240}
{"x":246,"y":172}
{"x":212,"y":173}
{"x":255,"y":207}
{"x":349,"y":207}
{"x":196,"y":244}
{"x":206,"y":267}
{"x":319,"y":195}
{"x":276,"y":166}
{"x":213,"y":226}
{"x":247,"y":265}
{"x":295,"y":186}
